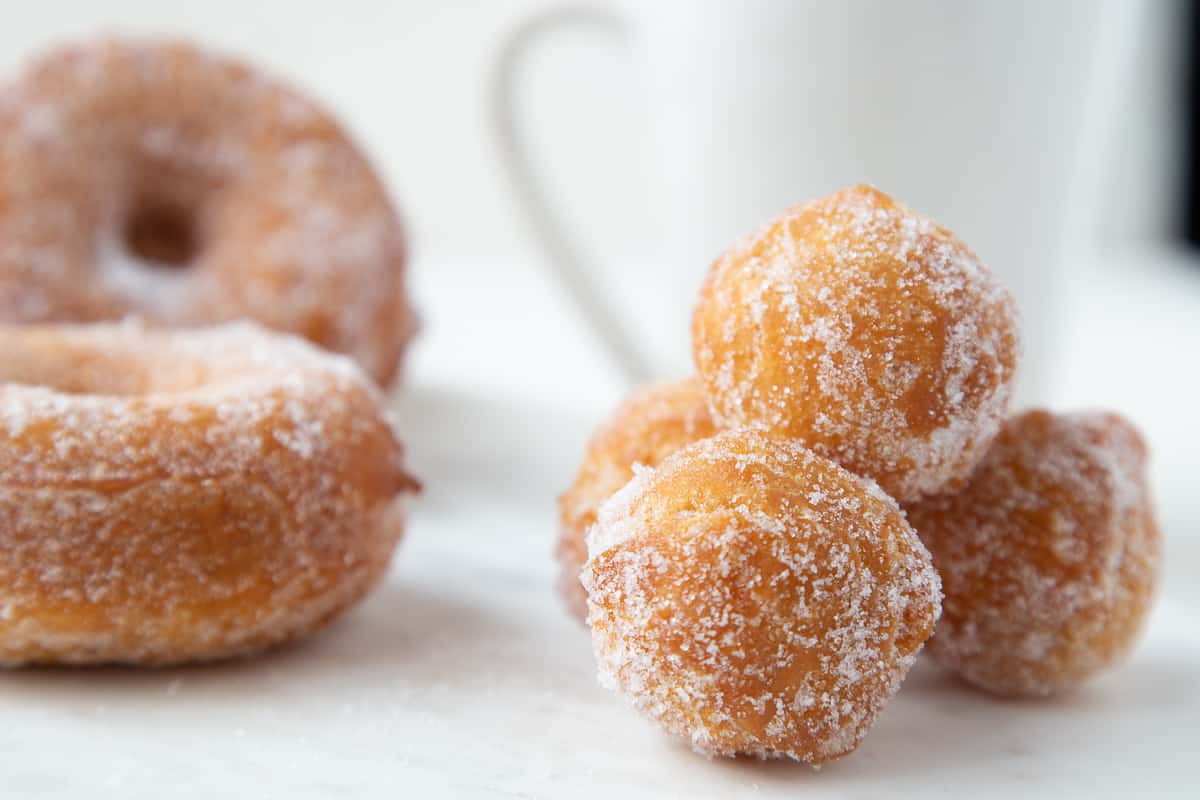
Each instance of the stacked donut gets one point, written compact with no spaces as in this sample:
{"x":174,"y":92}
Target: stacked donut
{"x":175,"y":485}
{"x":762,"y":552}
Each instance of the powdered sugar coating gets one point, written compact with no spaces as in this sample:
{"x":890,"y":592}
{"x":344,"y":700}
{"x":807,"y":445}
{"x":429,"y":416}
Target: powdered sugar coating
{"x":866,"y":331}
{"x":171,"y":496}
{"x":754,"y":597}
{"x":1049,"y":555}
{"x":292,"y":227}
{"x":652,"y":423}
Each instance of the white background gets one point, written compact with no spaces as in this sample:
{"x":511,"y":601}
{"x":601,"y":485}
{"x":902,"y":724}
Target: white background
{"x":411,"y":80}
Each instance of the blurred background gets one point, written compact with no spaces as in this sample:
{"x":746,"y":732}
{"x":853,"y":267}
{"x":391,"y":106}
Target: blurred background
{"x":411,"y":78}
{"x":567,"y":171}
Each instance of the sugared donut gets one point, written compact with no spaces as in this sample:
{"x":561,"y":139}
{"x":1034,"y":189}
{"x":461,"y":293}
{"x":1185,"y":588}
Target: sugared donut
{"x":756,"y":598}
{"x":168,"y":497}
{"x":153,"y":179}
{"x":1049,"y":555}
{"x":652,"y":423}
{"x":866,"y":331}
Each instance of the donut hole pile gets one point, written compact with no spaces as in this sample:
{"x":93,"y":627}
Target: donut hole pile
{"x":842,"y":482}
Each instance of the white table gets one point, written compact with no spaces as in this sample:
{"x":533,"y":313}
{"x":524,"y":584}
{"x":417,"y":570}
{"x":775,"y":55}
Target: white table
{"x":462,"y":676}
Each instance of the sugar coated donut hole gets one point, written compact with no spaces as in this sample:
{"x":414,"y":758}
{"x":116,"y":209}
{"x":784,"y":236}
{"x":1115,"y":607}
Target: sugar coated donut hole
{"x":652,"y":423}
{"x":866,"y":331}
{"x":152,"y":178}
{"x":172,"y":496}
{"x":755,"y":598}
{"x":1049,"y":555}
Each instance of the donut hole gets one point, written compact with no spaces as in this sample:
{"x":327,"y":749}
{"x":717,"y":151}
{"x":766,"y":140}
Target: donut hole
{"x":161,"y":234}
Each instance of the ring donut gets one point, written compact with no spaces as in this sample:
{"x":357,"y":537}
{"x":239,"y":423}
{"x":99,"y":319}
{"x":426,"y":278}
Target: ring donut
{"x":152,"y":179}
{"x":169,"y":496}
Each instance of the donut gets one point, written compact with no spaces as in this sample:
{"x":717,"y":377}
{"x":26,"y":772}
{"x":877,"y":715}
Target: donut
{"x":1049,"y":556}
{"x":755,"y":598}
{"x":652,"y":423}
{"x":153,"y":179}
{"x":864,"y":330}
{"x":172,"y":496}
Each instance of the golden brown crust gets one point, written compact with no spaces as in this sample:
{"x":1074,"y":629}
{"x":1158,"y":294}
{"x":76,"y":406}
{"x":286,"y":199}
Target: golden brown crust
{"x":1049,"y":555}
{"x":754,"y":597}
{"x":285,"y":221}
{"x":866,"y":331}
{"x":652,"y":423}
{"x":174,"y":496}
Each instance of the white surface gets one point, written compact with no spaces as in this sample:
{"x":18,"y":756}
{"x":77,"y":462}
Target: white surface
{"x":463,"y":677}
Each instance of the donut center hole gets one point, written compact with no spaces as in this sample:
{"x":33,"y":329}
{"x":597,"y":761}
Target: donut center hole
{"x":161,"y":234}
{"x":71,"y":365}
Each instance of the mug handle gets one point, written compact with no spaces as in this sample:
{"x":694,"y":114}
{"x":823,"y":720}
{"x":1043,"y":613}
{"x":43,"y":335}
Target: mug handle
{"x":568,"y":264}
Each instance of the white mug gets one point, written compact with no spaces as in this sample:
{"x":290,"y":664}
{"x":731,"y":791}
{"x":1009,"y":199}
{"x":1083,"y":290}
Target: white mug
{"x":976,"y":113}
